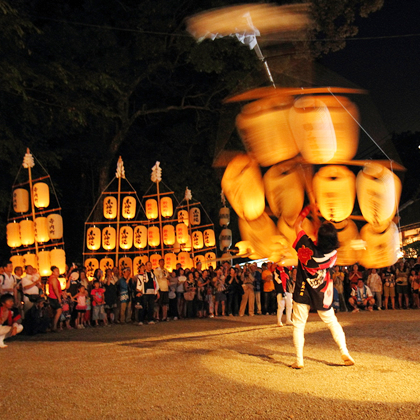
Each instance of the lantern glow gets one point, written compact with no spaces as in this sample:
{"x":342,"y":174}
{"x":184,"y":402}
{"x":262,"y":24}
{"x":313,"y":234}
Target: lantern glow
{"x":109,"y":235}
{"x":129,"y":207}
{"x":110,"y":207}
{"x":41,"y":230}
{"x":126,"y":237}
{"x":151,"y":209}
{"x":166,"y":207}
{"x":140,"y":236}
{"x":153,"y":236}
{"x":27,"y":232}
{"x":55,"y":226}
{"x":93,"y":238}
{"x":13,"y":235}
{"x":41,"y":194}
{"x":20,"y":200}
{"x":168,"y":233}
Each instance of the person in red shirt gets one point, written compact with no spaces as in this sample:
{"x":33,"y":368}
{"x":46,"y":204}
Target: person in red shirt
{"x":9,"y":319}
{"x":54,"y":296}
{"x":98,"y":303}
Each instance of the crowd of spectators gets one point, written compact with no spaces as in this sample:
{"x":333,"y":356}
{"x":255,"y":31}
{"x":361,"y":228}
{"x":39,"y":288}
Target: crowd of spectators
{"x":157,"y":295}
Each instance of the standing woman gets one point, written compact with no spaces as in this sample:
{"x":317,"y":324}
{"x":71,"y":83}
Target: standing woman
{"x":234,"y":292}
{"x":401,"y":273}
{"x":388,"y":279}
{"x":180,"y":289}
{"x":220,"y":287}
{"x":54,"y":295}
{"x":189,"y":294}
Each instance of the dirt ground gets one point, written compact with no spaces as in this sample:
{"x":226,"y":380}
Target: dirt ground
{"x":226,"y":368}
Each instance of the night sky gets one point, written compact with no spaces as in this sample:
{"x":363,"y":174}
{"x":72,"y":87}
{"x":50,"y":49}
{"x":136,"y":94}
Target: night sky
{"x":388,"y":64}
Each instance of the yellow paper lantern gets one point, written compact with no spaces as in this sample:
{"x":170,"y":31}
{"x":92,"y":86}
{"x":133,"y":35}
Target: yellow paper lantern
{"x":20,"y":200}
{"x":154,"y":259}
{"x":110,"y":207}
{"x":140,"y":236}
{"x":225,"y":239}
{"x":224,"y":216}
{"x":348,"y":235}
{"x":153,"y":236}
{"x":126,"y":237}
{"x":289,"y":233}
{"x":55,"y":226}
{"x":136,"y":265}
{"x":181,"y":233}
{"x":210,"y":258}
{"x":30,"y":259}
{"x":199,"y":259}
{"x":170,"y":261}
{"x":44,"y":263}
{"x":244,"y":188}
{"x":151,"y":208}
{"x":41,"y":193}
{"x":183,"y":217}
{"x":13,"y":235}
{"x":91,"y":264}
{"x":166,"y":207}
{"x":27,"y":232}
{"x":129,"y":207}
{"x":58,"y":258}
{"x":17,"y":261}
{"x":93,"y":238}
{"x":197,"y":239}
{"x":209,"y":238}
{"x":285,"y":191}
{"x":168,"y":234}
{"x":177,"y":247}
{"x":109,"y":238}
{"x":195,"y":216}
{"x":244,"y":247}
{"x":187,"y":245}
{"x":125,"y":262}
{"x":264,"y":128}
{"x":185,"y":260}
{"x":106,"y":263}
{"x":382,"y":248}
{"x":335,"y":192}
{"x":378,"y":194}
{"x":41,"y":230}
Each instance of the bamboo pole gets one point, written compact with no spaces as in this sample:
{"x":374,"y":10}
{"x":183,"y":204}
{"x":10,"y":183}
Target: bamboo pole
{"x":32,"y":208}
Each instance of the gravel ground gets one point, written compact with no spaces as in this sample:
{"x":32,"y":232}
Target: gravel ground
{"x":226,"y":368}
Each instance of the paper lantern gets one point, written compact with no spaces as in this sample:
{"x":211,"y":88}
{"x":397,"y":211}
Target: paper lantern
{"x":91,"y":264}
{"x":197,"y":239}
{"x":224,"y":216}
{"x":154,"y":259}
{"x":382,"y":248}
{"x":225,"y":239}
{"x":93,"y":238}
{"x":140,"y":236}
{"x":106,"y":263}
{"x":20,"y":200}
{"x":185,"y":260}
{"x":378,"y":194}
{"x":209,"y":238}
{"x":55,"y":226}
{"x":187,"y":245}
{"x":170,"y":261}
{"x":58,"y":258}
{"x":27,"y":232}
{"x":166,"y":207}
{"x":348,"y":234}
{"x":153,"y":236}
{"x":195,"y":216}
{"x":44,"y":263}
{"x":41,"y":193}
{"x":126,"y":237}
{"x":125,"y":262}
{"x":289,"y":233}
{"x":183,"y":217}
{"x":264,"y":128}
{"x":177,"y":247}
{"x":151,"y":208}
{"x":243,"y":186}
{"x":13,"y":235}
{"x":244,"y":247}
{"x":17,"y":261}
{"x":30,"y":259}
{"x":137,"y":262}
{"x":110,"y":207}
{"x":199,"y":259}
{"x":109,"y":238}
{"x":335,"y":192}
{"x":41,"y":230}
{"x":181,"y":233}
{"x":210,"y":258}
{"x":285,"y":191}
{"x":168,"y":233}
{"x":129,"y":207}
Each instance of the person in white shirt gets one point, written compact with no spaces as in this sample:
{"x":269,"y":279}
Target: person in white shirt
{"x":162,"y":276}
{"x":374,"y":282}
{"x":8,"y":284}
{"x":148,"y":288}
{"x":31,"y":284}
{"x":361,"y":297}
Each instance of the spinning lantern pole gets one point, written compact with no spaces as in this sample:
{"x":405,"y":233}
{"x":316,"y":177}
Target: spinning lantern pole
{"x":188,"y":197}
{"x":157,"y":177}
{"x":28,"y":163}
{"x":119,"y":174}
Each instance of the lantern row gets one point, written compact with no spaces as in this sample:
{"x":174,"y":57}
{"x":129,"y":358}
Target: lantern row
{"x":45,"y":260}
{"x":41,"y":195}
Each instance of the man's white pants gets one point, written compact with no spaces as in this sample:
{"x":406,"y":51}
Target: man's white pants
{"x":281,"y":303}
{"x":300,"y":316}
{"x":5,"y":332}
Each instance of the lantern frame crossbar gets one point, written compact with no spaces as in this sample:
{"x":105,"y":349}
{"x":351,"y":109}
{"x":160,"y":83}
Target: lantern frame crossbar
{"x":146,"y":252}
{"x":34,"y":180}
{"x":41,"y":247}
{"x":160,"y":194}
{"x":122,"y":192}
{"x":37,"y":213}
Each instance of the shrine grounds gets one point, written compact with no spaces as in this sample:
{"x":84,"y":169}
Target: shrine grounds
{"x":222,"y":368}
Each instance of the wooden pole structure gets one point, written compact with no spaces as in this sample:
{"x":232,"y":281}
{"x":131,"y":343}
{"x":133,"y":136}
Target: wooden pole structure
{"x":117,"y":245}
{"x":160,"y":220}
{"x":32,"y":206}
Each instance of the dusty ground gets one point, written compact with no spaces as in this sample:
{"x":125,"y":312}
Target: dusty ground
{"x":225,"y":368}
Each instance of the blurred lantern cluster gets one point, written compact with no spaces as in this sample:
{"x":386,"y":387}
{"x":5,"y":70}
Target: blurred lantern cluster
{"x":299,"y":145}
{"x":131,"y":231}
{"x":35,"y":227}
